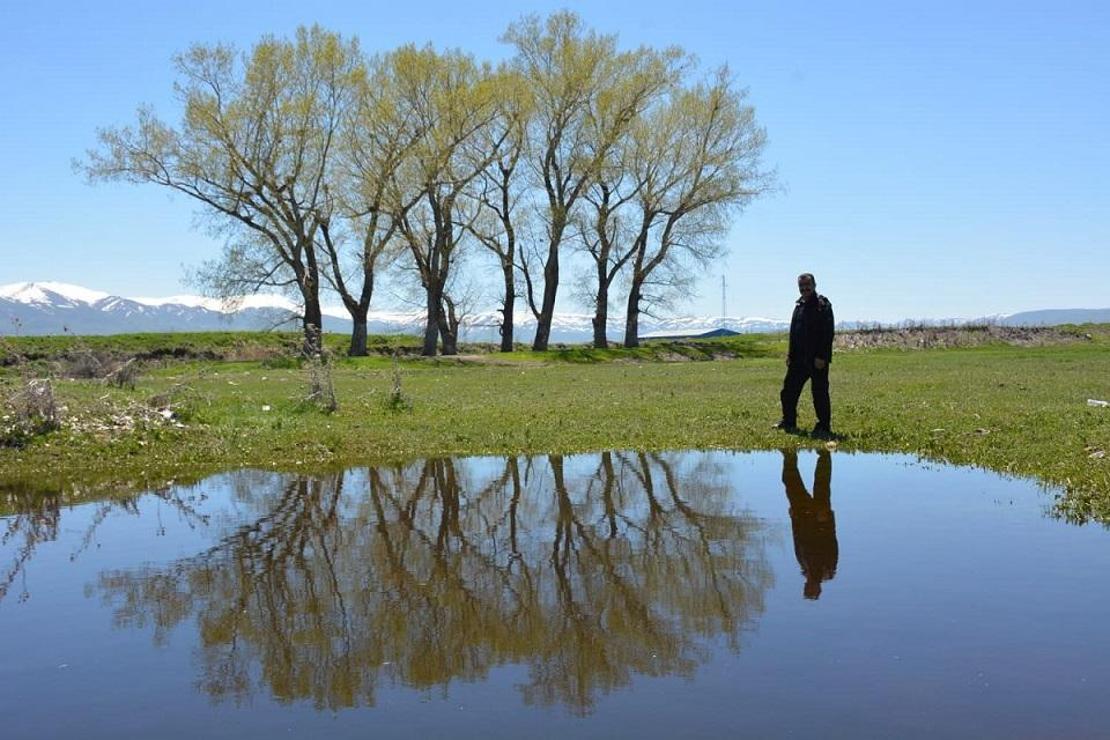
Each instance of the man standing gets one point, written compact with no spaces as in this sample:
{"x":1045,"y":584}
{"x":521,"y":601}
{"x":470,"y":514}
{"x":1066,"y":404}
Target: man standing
{"x":811,"y":340}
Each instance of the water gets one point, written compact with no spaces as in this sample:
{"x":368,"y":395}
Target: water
{"x":619,"y":594}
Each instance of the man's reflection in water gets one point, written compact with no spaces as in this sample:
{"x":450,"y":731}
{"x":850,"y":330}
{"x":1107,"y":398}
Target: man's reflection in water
{"x":812,"y":521}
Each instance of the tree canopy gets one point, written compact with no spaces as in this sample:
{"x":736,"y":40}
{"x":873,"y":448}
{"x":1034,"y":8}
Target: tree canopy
{"x":322,"y":168}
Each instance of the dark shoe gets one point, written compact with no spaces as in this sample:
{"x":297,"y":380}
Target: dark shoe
{"x":784,"y":426}
{"x":822,"y":432}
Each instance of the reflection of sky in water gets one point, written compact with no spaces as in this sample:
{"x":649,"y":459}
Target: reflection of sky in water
{"x":956,"y":607}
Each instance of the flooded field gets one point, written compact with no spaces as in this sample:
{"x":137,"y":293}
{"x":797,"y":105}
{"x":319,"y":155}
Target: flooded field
{"x":613,"y":594}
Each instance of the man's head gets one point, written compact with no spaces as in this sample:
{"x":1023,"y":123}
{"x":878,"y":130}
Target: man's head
{"x":807,"y":285}
{"x":812,"y":589}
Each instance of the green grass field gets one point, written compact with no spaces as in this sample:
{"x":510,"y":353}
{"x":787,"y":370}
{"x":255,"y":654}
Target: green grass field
{"x":1016,"y":410}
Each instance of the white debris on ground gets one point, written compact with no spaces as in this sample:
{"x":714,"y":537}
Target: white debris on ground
{"x":123,"y":419}
{"x":1097,"y":403}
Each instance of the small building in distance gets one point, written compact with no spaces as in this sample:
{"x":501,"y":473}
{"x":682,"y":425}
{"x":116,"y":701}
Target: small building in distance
{"x":692,"y":334}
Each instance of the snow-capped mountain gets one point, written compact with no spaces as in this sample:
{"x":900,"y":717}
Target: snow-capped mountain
{"x":57,"y":308}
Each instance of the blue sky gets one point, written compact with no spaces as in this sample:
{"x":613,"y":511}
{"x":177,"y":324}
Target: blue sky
{"x":938,"y":158}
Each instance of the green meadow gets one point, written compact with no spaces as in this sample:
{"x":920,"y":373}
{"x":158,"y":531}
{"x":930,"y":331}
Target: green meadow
{"x":203,"y":403}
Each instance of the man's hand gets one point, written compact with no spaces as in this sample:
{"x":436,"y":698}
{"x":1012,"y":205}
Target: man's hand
{"x":788,"y":360}
{"x":819,"y":363}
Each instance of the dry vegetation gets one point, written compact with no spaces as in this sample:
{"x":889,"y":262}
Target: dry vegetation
{"x":941,"y":337}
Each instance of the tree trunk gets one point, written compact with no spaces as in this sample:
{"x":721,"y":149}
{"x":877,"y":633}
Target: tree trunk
{"x":450,"y":344}
{"x":359,"y":311}
{"x":632,"y":318}
{"x":547,"y":310}
{"x":601,"y":313}
{"x":508,"y":308}
{"x":550,"y":287}
{"x":358,"y":333}
{"x":313,"y":324}
{"x":448,"y":332}
{"x":431,"y":329}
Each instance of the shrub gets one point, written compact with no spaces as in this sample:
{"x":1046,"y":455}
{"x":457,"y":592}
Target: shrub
{"x":123,"y":375}
{"x":84,"y":365}
{"x":30,"y":412}
{"x":397,"y":400}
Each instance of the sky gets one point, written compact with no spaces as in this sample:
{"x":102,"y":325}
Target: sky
{"x":936,"y":159}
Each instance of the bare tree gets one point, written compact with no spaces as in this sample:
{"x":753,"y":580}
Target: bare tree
{"x":255,"y":148}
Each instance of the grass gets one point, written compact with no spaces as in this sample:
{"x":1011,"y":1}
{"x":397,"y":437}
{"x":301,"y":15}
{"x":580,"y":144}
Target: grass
{"x":1016,"y":410}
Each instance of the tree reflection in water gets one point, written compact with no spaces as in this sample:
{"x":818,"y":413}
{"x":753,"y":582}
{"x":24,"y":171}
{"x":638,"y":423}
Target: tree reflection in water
{"x":442,"y":570}
{"x":32,"y":517}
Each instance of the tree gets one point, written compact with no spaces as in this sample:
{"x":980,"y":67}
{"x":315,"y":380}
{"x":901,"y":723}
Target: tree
{"x":499,"y":190}
{"x":376,"y":137}
{"x":586,"y":96}
{"x":711,"y":170}
{"x":606,"y":235}
{"x":255,"y":149}
{"x":450,"y":100}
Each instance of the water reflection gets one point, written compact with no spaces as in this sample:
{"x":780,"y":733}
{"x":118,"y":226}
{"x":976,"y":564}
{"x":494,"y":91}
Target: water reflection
{"x":812,"y":521}
{"x":33,"y":518}
{"x":36,"y":521}
{"x":589,"y":571}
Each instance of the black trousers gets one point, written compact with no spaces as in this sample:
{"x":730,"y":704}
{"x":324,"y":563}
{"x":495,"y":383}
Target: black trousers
{"x":796,"y":377}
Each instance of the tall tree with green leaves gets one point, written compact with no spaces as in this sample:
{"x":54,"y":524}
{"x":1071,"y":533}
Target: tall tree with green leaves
{"x":255,"y":148}
{"x":608,"y":220}
{"x":697,"y":162}
{"x":450,"y":100}
{"x":586,"y":95}
{"x":376,"y":137}
{"x":500,"y":191}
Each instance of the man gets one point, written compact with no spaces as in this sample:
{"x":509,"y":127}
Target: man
{"x":812,"y":521}
{"x":811,"y":339}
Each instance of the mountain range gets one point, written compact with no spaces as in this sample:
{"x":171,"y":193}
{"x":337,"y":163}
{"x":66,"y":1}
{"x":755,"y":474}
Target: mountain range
{"x":55,"y":308}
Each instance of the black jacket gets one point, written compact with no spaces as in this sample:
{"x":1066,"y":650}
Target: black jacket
{"x":811,"y":331}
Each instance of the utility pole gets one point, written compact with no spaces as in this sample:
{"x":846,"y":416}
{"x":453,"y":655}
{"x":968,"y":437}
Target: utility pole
{"x":724,"y":305}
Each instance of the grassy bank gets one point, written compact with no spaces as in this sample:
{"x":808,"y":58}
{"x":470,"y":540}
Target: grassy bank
{"x":1017,"y":410}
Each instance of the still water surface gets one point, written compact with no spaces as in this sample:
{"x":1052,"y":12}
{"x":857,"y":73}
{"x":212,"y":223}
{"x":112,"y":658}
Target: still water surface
{"x":616,"y":594}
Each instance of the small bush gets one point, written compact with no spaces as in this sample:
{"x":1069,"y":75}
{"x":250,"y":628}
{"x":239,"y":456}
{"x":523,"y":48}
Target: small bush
{"x":397,"y":401}
{"x":30,"y":412}
{"x":123,"y":375}
{"x":84,"y":365}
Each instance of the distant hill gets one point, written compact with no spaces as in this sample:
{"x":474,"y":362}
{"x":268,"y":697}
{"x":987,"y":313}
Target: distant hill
{"x":55,"y":308}
{"x":1057,"y":316}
